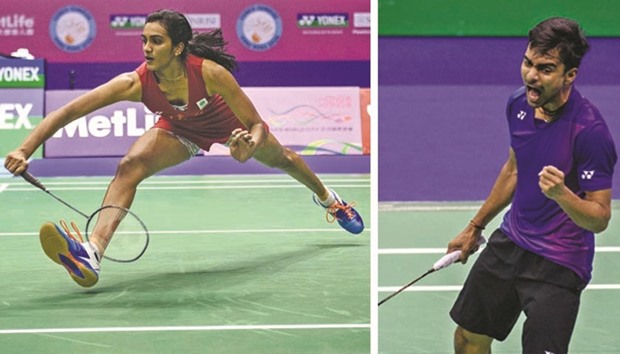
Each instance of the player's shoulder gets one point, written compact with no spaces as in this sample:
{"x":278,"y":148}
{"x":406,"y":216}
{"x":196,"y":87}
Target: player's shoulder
{"x":584,"y":111}
{"x":127,"y":79}
{"x":516,"y":100}
{"x":213,"y":71}
{"x":126,"y":86}
{"x":518,"y":94}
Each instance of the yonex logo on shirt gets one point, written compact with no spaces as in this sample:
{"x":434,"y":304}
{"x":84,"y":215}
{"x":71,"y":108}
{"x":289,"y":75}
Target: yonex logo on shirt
{"x":587,"y":174}
{"x":521,"y":115}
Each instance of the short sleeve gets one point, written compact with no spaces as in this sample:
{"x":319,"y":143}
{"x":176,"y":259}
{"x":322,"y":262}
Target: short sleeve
{"x":595,"y":155}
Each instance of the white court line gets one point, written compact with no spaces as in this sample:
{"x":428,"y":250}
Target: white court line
{"x":395,"y":251}
{"x":228,"y":181}
{"x":389,"y":251}
{"x":193,"y":232}
{"x":272,"y":186}
{"x":3,"y":187}
{"x":447,"y":207}
{"x":423,"y":288}
{"x":184,"y":328}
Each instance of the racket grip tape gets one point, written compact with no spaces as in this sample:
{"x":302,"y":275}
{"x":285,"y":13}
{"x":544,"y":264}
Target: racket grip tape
{"x":33,"y":180}
{"x":453,"y":256}
{"x":447,"y":260}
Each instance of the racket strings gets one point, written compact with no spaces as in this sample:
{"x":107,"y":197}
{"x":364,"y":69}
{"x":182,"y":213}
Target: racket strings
{"x":69,"y":233}
{"x":107,"y":223}
{"x":119,"y":232}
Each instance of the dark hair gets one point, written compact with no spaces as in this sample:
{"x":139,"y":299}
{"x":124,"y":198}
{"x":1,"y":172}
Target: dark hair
{"x":208,"y":45}
{"x":562,"y":33}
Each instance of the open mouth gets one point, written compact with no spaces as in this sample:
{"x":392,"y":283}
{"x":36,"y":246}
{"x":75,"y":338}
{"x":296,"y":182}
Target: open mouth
{"x":533,"y":94}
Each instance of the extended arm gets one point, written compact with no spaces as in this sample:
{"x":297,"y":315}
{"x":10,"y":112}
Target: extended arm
{"x":122,"y":87}
{"x":500,"y":196}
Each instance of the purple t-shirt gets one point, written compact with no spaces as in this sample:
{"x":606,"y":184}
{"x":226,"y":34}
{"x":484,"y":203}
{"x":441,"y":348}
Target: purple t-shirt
{"x":578,"y":143}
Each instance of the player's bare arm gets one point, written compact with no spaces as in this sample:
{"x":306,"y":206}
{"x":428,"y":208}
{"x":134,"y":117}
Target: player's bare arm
{"x":593,"y":212}
{"x":123,"y":87}
{"x":220,"y":81}
{"x":498,"y":199}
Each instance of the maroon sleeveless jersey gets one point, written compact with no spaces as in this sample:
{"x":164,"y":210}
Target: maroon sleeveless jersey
{"x":204,"y":120}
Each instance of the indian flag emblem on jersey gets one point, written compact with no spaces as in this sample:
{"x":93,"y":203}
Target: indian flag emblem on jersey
{"x":202,"y":103}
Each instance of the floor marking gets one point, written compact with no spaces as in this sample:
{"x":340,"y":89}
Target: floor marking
{"x":445,"y":206}
{"x":193,"y":232}
{"x":228,"y":181}
{"x":395,"y":251}
{"x":3,"y":186}
{"x":249,"y":186}
{"x":184,"y":328}
{"x":430,"y":207}
{"x":424,"y":288}
{"x":421,"y":288}
{"x":392,"y":251}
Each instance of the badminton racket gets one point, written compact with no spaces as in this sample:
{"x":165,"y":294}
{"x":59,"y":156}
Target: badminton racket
{"x":131,"y":235}
{"x":443,"y":262}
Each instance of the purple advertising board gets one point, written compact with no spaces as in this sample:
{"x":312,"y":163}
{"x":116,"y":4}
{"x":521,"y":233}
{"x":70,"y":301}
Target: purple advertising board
{"x":109,"y":31}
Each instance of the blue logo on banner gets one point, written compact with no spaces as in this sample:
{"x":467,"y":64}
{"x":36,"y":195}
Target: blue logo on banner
{"x":72,"y":29}
{"x":259,"y":27}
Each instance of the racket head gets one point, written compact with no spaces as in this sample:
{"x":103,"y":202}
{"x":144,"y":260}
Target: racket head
{"x":127,"y":233}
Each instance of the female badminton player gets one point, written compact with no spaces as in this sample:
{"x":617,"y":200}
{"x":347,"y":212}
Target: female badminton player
{"x":187,"y":79}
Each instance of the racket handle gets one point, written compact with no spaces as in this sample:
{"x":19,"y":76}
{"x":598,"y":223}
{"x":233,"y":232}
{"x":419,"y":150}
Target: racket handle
{"x":447,"y":260}
{"x":33,"y":180}
{"x":453,"y":256}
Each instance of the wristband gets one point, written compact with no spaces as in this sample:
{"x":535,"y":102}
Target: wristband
{"x":476,"y":226}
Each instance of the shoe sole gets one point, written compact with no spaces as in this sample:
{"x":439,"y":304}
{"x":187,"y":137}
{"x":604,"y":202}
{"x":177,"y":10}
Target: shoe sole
{"x":57,"y":249}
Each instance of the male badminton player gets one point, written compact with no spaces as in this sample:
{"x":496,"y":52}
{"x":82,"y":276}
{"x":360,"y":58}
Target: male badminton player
{"x":558,"y":180}
{"x":188,"y":79}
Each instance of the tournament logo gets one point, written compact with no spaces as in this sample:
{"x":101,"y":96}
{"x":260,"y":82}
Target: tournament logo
{"x":72,"y":29}
{"x":259,"y":27}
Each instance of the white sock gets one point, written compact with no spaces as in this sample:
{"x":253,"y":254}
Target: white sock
{"x":329,"y":201}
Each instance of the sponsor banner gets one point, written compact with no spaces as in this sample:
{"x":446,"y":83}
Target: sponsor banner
{"x":365,"y":110}
{"x":21,"y":101}
{"x":311,"y":121}
{"x":109,"y":131}
{"x":20,"y":73}
{"x":87,"y":31}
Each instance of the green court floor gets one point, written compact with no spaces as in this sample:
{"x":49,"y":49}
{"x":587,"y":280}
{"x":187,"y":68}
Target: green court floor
{"x":412,"y":236}
{"x":237,"y":264}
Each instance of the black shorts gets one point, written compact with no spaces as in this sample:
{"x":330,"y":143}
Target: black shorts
{"x":506,"y":280}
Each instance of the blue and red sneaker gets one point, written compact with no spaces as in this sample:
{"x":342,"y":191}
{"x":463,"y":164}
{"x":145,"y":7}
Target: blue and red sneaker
{"x":79,"y":259}
{"x":346,"y":215}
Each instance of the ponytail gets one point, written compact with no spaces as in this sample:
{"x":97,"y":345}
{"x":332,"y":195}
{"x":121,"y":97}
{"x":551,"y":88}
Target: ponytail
{"x":211,"y":45}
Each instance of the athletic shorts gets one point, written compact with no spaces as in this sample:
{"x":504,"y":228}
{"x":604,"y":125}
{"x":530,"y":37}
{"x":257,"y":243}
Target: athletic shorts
{"x":203,"y":132}
{"x":506,"y":280}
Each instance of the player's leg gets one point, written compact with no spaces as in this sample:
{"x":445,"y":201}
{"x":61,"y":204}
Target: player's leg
{"x":550,"y":310}
{"x":274,"y":155}
{"x":487,"y":306}
{"x":154,"y":151}
{"x":466,"y":342}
